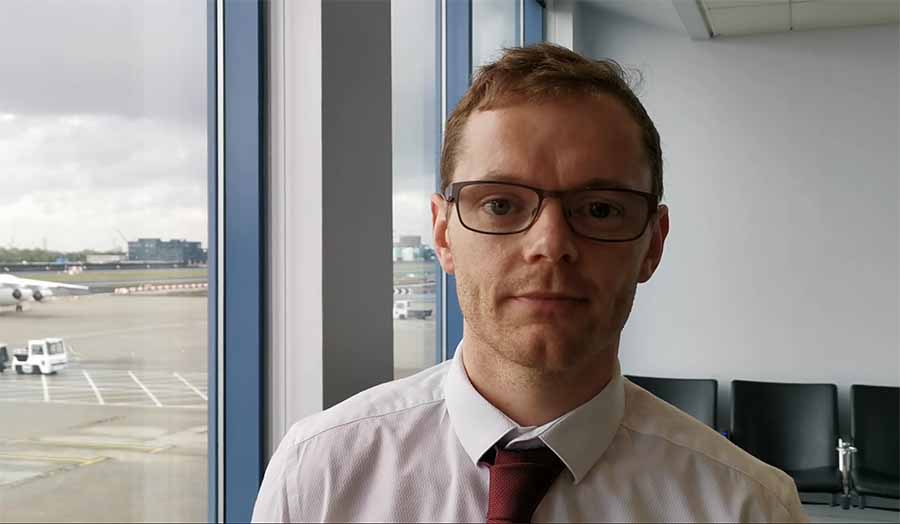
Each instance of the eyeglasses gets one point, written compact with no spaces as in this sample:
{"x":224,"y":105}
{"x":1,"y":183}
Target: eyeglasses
{"x":501,"y":208}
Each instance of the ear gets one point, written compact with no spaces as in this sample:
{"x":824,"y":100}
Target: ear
{"x":659,"y":231}
{"x":439,"y":231}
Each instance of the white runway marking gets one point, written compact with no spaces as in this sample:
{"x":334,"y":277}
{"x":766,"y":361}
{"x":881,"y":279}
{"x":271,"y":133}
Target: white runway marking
{"x":188,"y":384}
{"x":147,"y":391}
{"x":94,"y":387}
{"x":109,"y":387}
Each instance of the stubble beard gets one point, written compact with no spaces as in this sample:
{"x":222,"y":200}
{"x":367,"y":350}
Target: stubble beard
{"x":537,"y":349}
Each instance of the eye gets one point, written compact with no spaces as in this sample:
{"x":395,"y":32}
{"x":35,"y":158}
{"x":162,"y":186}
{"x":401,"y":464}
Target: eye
{"x":599,"y":210}
{"x":498,"y":206}
{"x":603,"y":210}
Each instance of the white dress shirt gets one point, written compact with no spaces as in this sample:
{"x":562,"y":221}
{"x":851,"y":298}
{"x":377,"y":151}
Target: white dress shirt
{"x":409,"y":450}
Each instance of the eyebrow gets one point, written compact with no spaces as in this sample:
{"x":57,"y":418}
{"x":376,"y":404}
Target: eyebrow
{"x":594,"y":183}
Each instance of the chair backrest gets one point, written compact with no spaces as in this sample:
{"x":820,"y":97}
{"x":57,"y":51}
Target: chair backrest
{"x":875,"y":428}
{"x":696,"y":397}
{"x":790,"y":426}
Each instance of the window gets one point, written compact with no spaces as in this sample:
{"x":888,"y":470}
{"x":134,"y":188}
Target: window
{"x":415,"y":63}
{"x":495,"y":26}
{"x":103,"y":150}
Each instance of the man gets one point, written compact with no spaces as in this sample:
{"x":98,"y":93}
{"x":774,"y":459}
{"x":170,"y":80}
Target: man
{"x":549,"y":217}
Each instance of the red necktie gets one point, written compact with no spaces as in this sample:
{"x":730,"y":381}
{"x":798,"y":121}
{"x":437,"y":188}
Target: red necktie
{"x":519,"y":480}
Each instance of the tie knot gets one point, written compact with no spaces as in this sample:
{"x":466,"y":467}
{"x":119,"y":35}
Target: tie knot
{"x":519,"y":480}
{"x":542,"y":456}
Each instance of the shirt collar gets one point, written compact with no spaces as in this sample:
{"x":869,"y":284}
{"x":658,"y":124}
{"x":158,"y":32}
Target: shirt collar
{"x":579,"y":437}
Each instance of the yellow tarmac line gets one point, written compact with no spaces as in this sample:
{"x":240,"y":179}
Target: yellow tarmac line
{"x":96,"y":445}
{"x":49,"y":458}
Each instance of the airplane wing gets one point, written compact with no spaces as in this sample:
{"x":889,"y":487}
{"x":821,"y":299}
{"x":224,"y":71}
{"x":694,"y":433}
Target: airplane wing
{"x":16,"y":282}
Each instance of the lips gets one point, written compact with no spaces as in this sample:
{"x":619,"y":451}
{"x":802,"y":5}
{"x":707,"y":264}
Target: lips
{"x":551,"y":296}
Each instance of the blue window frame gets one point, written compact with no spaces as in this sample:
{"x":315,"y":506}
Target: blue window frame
{"x":212,"y":256}
{"x":532,"y":21}
{"x":236,"y":243}
{"x":457,"y":35}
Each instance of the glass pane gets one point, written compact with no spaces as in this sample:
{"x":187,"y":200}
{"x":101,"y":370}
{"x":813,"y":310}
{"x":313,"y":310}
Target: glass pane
{"x":495,"y":25}
{"x":415,"y":62}
{"x":103,"y":276}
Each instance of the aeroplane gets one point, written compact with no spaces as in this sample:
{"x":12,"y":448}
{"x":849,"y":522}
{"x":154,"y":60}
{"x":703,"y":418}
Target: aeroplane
{"x":14,"y":290}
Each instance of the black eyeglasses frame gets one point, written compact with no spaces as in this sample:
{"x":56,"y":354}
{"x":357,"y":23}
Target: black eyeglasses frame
{"x":451,"y":195}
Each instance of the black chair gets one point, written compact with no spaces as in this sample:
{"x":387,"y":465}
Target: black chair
{"x":793,"y":427}
{"x":696,"y":397}
{"x":875,"y":432}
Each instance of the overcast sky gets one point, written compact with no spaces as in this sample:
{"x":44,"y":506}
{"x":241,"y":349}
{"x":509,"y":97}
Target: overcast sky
{"x":102,"y":122}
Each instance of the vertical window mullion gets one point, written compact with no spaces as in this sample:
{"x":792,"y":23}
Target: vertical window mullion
{"x":457,"y":63}
{"x":243,"y":250}
{"x":532,"y":31}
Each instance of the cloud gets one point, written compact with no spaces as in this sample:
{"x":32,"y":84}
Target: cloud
{"x":134,"y":58}
{"x":75,"y":179}
{"x":103,"y":122}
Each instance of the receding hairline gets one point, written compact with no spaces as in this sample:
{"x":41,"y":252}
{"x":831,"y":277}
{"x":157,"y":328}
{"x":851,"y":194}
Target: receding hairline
{"x":519,"y":100}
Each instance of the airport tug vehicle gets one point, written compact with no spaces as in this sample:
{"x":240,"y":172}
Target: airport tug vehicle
{"x":404,"y":309}
{"x":44,"y":356}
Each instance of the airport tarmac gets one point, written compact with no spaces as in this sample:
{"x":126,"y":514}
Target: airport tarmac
{"x":414,"y":346}
{"x":121,"y":434}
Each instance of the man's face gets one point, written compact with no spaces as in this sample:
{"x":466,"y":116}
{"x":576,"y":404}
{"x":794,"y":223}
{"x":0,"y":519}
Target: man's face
{"x":547,"y":298}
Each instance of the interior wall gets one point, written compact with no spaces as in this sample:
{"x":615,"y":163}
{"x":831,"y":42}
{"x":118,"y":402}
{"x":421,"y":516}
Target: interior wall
{"x":781,"y":170}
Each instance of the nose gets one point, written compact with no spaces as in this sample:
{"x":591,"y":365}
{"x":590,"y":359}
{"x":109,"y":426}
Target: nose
{"x":550,"y":237}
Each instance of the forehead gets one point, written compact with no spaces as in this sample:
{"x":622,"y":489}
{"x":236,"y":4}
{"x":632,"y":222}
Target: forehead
{"x":559,"y":144}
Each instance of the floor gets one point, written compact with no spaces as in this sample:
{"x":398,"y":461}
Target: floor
{"x":825,"y":513}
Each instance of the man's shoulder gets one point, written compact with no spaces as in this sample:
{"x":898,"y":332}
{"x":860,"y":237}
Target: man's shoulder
{"x":647,"y":416}
{"x":379,"y":404}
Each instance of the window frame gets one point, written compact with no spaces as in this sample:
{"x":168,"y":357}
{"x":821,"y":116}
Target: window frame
{"x":235,"y":88}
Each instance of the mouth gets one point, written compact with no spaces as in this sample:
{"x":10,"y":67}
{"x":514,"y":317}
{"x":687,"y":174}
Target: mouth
{"x":549,"y":303}
{"x":550,"y":296}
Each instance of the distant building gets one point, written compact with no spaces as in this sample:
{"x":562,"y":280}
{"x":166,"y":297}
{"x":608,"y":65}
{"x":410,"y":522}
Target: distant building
{"x":408,"y":241}
{"x":409,"y":248}
{"x":157,"y":250}
{"x":105,"y":258}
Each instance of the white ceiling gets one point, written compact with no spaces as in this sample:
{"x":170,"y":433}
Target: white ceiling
{"x":657,"y":13}
{"x":743,"y":17}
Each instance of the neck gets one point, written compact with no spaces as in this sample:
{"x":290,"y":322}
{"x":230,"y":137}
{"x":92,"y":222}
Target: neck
{"x":532,"y":397}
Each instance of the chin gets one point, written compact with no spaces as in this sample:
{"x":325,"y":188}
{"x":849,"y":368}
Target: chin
{"x":542,"y":347}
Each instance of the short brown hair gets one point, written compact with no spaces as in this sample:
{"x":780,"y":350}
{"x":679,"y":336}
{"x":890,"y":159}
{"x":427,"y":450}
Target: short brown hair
{"x":540,"y":72}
